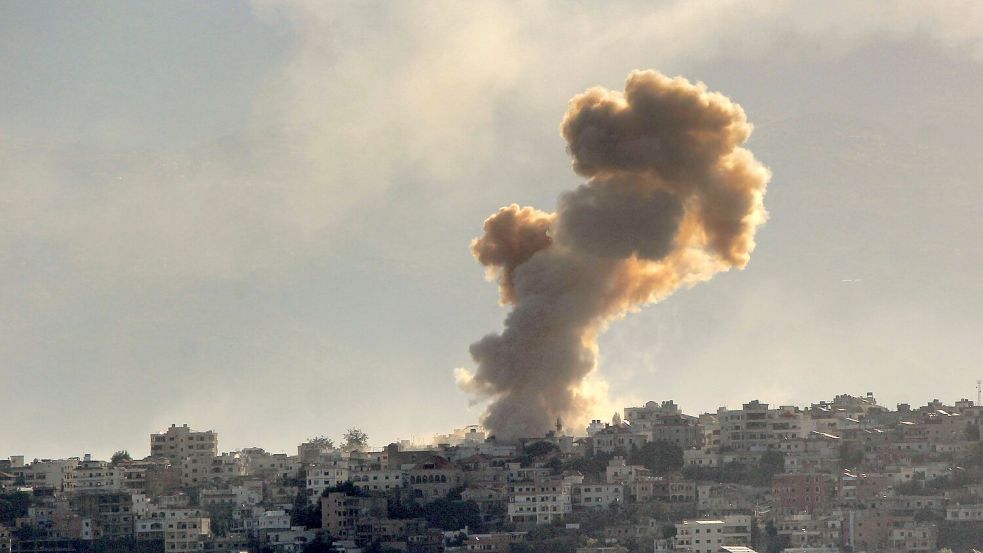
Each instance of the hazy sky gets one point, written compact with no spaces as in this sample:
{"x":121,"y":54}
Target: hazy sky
{"x":255,"y":218}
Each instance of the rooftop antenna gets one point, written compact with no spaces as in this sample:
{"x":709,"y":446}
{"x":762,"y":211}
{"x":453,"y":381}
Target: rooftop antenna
{"x":979,"y":392}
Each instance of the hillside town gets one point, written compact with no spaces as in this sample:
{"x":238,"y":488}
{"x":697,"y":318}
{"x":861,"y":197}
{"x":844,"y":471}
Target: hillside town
{"x":845,"y":475}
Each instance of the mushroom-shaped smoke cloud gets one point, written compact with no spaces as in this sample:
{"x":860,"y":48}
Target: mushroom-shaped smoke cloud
{"x":671,"y":199}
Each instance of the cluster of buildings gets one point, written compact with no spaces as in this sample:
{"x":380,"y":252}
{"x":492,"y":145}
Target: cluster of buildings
{"x":846,"y":475}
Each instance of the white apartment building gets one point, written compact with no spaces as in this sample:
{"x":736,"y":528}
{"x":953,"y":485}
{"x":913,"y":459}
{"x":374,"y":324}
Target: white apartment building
{"x":542,"y":501}
{"x":709,"y":535}
{"x":518,"y":473}
{"x":622,"y":438}
{"x":665,"y":422}
{"x":91,"y":475}
{"x":257,"y":461}
{"x":597,"y":496}
{"x":186,"y":534}
{"x":178,"y":442}
{"x":469,"y":434}
{"x":49,"y":473}
{"x":491,"y":449}
{"x":757,"y":428}
{"x":200,"y":469}
{"x":377,"y":478}
{"x":704,"y":457}
{"x":326,"y":474}
{"x":146,"y":529}
{"x":710,"y":423}
{"x":273,"y":520}
{"x":964,"y":513}
{"x":618,"y":471}
{"x":811,"y":530}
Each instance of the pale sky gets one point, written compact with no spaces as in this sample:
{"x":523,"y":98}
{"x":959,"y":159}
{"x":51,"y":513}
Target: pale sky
{"x":255,"y":217}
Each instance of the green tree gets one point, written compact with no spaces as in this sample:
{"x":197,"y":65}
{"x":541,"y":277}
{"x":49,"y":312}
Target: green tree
{"x":221,"y":517}
{"x":591,"y":466}
{"x":321,"y":544}
{"x":322,"y":441}
{"x":972,"y":433}
{"x":345,"y":487}
{"x":771,"y":463}
{"x":851,"y":455}
{"x":661,"y":457}
{"x":541,"y":449}
{"x":355,"y":439}
{"x":452,"y":515}
{"x":304,"y":513}
{"x":12,"y":506}
{"x":120,"y":456}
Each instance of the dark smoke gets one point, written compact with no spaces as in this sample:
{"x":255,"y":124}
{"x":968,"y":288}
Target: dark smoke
{"x":671,"y":199}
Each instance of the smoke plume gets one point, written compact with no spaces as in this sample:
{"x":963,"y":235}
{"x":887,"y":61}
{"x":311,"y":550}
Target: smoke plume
{"x":671,"y":198}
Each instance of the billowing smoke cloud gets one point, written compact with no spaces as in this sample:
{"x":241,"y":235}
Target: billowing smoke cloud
{"x":671,"y":199}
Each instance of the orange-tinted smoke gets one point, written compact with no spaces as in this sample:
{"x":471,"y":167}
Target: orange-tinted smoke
{"x":671,"y":199}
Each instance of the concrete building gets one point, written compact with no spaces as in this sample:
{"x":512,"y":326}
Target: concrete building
{"x":178,"y":442}
{"x":914,"y":537}
{"x":619,"y":439}
{"x":325,"y":474}
{"x":58,"y":474}
{"x":619,"y":471}
{"x":341,"y":513}
{"x":964,"y":513}
{"x":542,"y":501}
{"x":501,"y":542}
{"x":94,"y":475}
{"x":709,"y":535}
{"x":433,"y":479}
{"x":597,"y":496}
{"x":111,"y":512}
{"x":665,"y":422}
{"x":186,"y":534}
{"x":801,"y":492}
{"x":755,"y":427}
{"x":808,"y":530}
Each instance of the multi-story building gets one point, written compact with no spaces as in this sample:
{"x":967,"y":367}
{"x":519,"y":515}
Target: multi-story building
{"x":914,"y":537}
{"x":709,"y":535}
{"x":94,"y":475}
{"x":541,"y":502}
{"x":326,"y":474}
{"x":964,"y":513}
{"x":186,"y":534}
{"x":811,"y":530}
{"x":801,"y":492}
{"x":316,"y":450}
{"x":194,"y":452}
{"x":597,"y":496}
{"x":178,"y":442}
{"x":341,"y":513}
{"x":756,"y":427}
{"x":619,"y":471}
{"x":718,"y":498}
{"x":854,"y":488}
{"x":494,"y":543}
{"x":671,"y":490}
{"x":377,"y":478}
{"x":619,"y":439}
{"x":518,"y":473}
{"x":111,"y":512}
{"x":58,"y":474}
{"x":870,"y":529}
{"x":665,"y":422}
{"x":259,"y":462}
{"x":433,"y":479}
